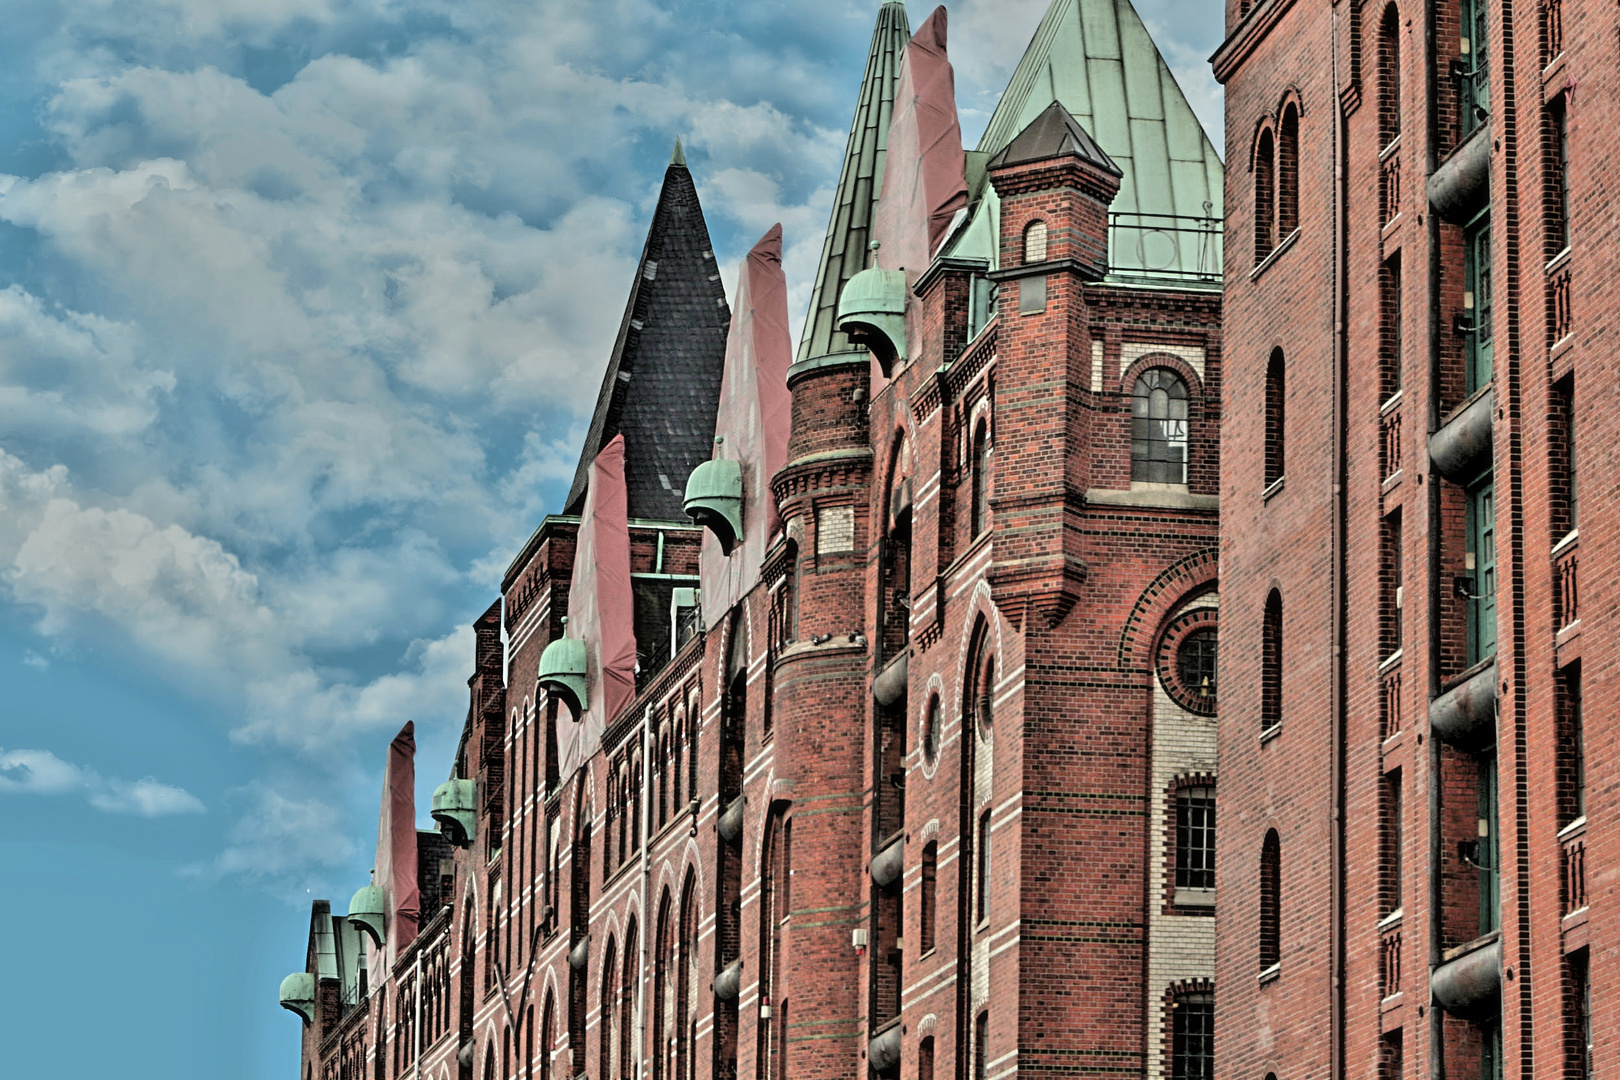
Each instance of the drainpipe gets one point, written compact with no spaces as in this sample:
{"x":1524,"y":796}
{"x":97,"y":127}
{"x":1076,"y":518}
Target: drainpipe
{"x":416,"y":1008}
{"x":1431,"y":237}
{"x":1336,"y":721}
{"x":646,"y":879}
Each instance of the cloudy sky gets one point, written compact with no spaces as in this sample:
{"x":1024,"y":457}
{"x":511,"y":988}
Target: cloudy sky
{"x":303,"y":305}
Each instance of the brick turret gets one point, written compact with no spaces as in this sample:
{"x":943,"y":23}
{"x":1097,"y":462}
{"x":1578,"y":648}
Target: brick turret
{"x":1055,"y":185}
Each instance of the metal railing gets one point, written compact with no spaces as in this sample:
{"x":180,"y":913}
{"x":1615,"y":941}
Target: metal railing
{"x":1573,"y":841}
{"x":1165,"y":246}
{"x":1567,"y":568}
{"x":1389,"y":962}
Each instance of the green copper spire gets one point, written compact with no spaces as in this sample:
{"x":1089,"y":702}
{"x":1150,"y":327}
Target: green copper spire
{"x":1096,"y":59}
{"x":679,"y":156}
{"x":844,"y":253}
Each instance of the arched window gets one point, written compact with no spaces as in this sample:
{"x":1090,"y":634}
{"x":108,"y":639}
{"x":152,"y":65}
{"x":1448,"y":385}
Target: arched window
{"x":981,"y":478}
{"x":663,"y":1002}
{"x":1275,"y":406}
{"x":468,"y":997}
{"x":1288,"y":172}
{"x":895,"y":598}
{"x":578,"y":1003}
{"x":547,"y":1035}
{"x":1389,"y":76}
{"x":551,"y":746}
{"x":930,"y":733}
{"x":1265,"y":197}
{"x":981,"y":1046}
{"x":1159,"y":428}
{"x":1035,"y":242}
{"x":1271,"y":661}
{"x":1270,"y":901}
{"x":686,"y":980}
{"x":627,"y":1004}
{"x":528,"y":1043}
{"x":927,"y":896}
{"x":610,"y":1015}
{"x":775,"y":884}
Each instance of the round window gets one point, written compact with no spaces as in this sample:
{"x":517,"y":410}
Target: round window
{"x":1187,"y":660}
{"x":1195,"y":663}
{"x":930,"y":732}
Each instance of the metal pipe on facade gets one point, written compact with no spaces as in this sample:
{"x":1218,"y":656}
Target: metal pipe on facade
{"x":646,"y":877}
{"x":1336,"y":572}
{"x":1431,"y":236}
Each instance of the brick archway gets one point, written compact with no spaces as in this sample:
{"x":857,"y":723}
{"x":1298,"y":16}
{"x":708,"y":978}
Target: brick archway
{"x":1187,"y":575}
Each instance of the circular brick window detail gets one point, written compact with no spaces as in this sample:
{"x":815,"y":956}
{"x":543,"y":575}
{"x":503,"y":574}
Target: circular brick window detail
{"x":1187,"y":662}
{"x":930,"y":731}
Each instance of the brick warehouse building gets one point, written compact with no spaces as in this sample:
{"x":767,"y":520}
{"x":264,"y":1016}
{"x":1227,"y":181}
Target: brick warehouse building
{"x":858,"y":713}
{"x":1420,"y":217}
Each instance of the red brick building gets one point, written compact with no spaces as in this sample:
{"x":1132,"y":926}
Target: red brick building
{"x":1418,"y":205}
{"x":901,"y":761}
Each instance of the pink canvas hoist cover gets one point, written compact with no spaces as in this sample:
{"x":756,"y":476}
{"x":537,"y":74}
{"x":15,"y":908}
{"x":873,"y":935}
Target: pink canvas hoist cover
{"x":601,"y":609}
{"x":924,"y":174}
{"x":396,"y":852}
{"x":756,"y":409}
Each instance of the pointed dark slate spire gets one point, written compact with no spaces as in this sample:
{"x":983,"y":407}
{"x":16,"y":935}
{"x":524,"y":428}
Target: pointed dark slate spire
{"x":662,"y":387}
{"x":845,"y":252}
{"x":1054,"y":133}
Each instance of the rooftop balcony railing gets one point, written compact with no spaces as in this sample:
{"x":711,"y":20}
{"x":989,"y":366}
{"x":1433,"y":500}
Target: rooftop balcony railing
{"x":1166,"y":247}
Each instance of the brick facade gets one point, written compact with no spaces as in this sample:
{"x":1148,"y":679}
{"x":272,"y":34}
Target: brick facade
{"x":950,"y":680}
{"x":1422,"y":777}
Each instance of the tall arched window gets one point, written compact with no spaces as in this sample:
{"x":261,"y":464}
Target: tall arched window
{"x":528,"y":1043}
{"x":927,"y":894}
{"x":609,"y":1014}
{"x":1288,"y":172}
{"x":1275,"y":405}
{"x":663,"y":1001}
{"x":686,"y":979}
{"x":1159,"y":428}
{"x":1389,"y":76}
{"x":627,"y":1005}
{"x":578,"y":1003}
{"x":775,"y":883}
{"x":981,"y":477}
{"x":1270,"y":901}
{"x":981,"y":1046}
{"x":1265,"y":197}
{"x":1271,"y":661}
{"x":895,"y":598}
{"x":548,"y":1028}
{"x":1035,"y":242}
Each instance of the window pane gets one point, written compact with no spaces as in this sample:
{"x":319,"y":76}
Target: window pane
{"x":1192,"y":1047}
{"x":1195,"y":839}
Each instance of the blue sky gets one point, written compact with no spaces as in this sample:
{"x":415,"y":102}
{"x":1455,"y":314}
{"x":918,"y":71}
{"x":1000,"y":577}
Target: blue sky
{"x":303,"y":305}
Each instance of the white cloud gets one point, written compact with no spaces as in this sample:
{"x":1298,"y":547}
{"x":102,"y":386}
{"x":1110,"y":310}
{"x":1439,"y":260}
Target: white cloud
{"x":40,"y":772}
{"x":281,"y":840}
{"x":302,"y":357}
